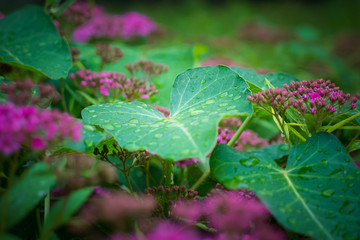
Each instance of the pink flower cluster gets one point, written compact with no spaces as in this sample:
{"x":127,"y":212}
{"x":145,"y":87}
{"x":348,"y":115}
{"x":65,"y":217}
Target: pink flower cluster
{"x":116,"y":84}
{"x":319,"y":97}
{"x":1,"y":15}
{"x":80,"y":12}
{"x":231,"y":214}
{"x":34,"y":127}
{"x":127,"y":26}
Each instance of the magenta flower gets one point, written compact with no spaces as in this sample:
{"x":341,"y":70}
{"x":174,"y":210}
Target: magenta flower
{"x":167,"y":230}
{"x":39,"y":128}
{"x":127,"y":26}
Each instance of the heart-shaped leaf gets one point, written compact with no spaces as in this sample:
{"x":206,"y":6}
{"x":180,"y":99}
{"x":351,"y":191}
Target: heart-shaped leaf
{"x":200,"y":98}
{"x":25,"y":194}
{"x":259,"y":82}
{"x":316,"y":194}
{"x":29,"y":39}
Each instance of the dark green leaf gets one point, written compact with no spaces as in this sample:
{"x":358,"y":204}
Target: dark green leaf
{"x":316,"y":194}
{"x":25,"y":194}
{"x":62,"y":211}
{"x":29,"y":39}
{"x":200,"y":98}
{"x":259,"y":82}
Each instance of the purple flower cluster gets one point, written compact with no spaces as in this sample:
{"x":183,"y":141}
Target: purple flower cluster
{"x":127,"y":26}
{"x":108,"y":53}
{"x":80,"y":12}
{"x":21,"y":93}
{"x":233,"y":214}
{"x":318,"y":97}
{"x":37,"y":128}
{"x":114,"y":84}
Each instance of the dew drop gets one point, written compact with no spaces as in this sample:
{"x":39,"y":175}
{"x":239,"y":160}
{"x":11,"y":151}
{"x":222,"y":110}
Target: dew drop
{"x":89,"y":142}
{"x":262,"y":180}
{"x":292,"y":221}
{"x":320,"y":185}
{"x":109,"y":127}
{"x":203,"y":81}
{"x":185,"y":152}
{"x":134,"y":121}
{"x":338,"y":149}
{"x":235,"y":169}
{"x":91,"y":110}
{"x":137,"y":130}
{"x":298,"y":158}
{"x":284,"y":148}
{"x":350,"y":185}
{"x":320,"y":150}
{"x":230,"y":108}
{"x":326,"y":152}
{"x":231,"y":95}
{"x":236,"y":98}
{"x":196,"y":112}
{"x":327,"y":192}
{"x":158,"y":135}
{"x":224,"y":94}
{"x":249,"y":162}
{"x":175,"y":137}
{"x":211,"y":101}
{"x":89,"y":128}
{"x":223,"y":104}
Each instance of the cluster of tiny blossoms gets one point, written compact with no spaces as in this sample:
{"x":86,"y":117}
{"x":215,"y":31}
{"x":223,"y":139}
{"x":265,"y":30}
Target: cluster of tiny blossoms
{"x":79,"y":13}
{"x":114,"y":84}
{"x":108,"y":53}
{"x":21,"y":93}
{"x":318,"y":97}
{"x":127,"y":26}
{"x":34,"y":127}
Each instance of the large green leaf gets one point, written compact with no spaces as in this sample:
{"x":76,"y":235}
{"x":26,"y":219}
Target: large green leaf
{"x":259,"y":82}
{"x":177,"y":59}
{"x":316,"y":194}
{"x":29,"y":39}
{"x":62,"y":211}
{"x":25,"y":194}
{"x":200,"y":98}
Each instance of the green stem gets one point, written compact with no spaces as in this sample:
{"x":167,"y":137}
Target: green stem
{"x":205,"y":175}
{"x":147,"y":168}
{"x":169,"y":180}
{"x":241,"y":129}
{"x":352,"y":141}
{"x":343,"y":122}
{"x":62,"y":92}
{"x":231,"y":143}
{"x":46,"y":205}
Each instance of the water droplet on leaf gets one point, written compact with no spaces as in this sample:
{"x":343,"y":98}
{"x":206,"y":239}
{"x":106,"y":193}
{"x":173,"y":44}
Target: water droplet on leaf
{"x":249,"y":162}
{"x":327,"y":192}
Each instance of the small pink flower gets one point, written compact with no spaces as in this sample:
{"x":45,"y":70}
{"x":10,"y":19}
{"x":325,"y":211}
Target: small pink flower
{"x":37,"y":143}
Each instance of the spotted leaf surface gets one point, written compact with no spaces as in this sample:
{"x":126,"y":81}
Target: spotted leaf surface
{"x":317,"y":194}
{"x":200,"y":98}
{"x":259,"y":82}
{"x":29,"y":39}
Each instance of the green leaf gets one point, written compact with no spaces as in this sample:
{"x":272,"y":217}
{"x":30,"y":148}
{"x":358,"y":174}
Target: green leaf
{"x":316,"y":194}
{"x":259,"y":82}
{"x":5,"y":236}
{"x":25,"y":194}
{"x":29,"y":40}
{"x":177,"y":59}
{"x":62,"y":211}
{"x":200,"y":98}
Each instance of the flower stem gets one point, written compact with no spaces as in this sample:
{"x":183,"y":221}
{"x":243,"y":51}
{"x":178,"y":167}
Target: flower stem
{"x":169,"y":173}
{"x":241,"y":129}
{"x":231,"y":143}
{"x":62,"y":92}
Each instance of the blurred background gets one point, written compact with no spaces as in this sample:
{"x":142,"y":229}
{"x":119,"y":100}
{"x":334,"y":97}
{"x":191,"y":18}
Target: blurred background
{"x":306,"y":39}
